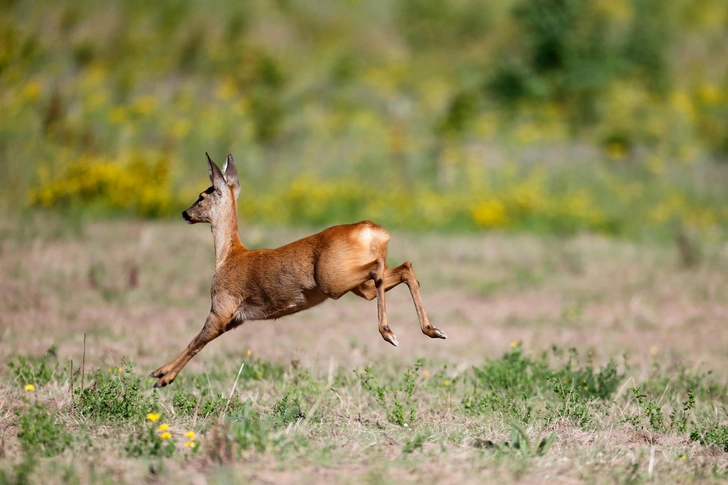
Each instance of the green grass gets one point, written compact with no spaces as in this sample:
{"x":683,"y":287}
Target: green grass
{"x":515,"y":415}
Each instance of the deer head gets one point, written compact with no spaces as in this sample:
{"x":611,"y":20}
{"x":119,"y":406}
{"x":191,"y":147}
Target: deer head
{"x":218,"y":201}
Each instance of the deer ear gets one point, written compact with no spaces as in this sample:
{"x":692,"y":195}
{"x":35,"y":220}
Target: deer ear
{"x":216,"y":176}
{"x":231,"y":175}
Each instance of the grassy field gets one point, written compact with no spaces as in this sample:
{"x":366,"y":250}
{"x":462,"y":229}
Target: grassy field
{"x":568,"y":360}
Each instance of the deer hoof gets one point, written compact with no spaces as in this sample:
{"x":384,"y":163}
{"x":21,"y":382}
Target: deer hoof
{"x":433,"y":332}
{"x":164,"y":381}
{"x":391,"y":338}
{"x":158,"y":373}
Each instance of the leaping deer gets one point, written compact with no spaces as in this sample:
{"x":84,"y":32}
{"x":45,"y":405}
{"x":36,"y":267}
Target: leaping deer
{"x":267,"y":284}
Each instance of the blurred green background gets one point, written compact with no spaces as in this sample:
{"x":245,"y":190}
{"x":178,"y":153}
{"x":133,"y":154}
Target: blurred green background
{"x":555,"y":116}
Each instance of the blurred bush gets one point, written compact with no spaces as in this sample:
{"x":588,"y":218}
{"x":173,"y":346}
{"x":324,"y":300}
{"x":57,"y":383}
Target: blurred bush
{"x":136,"y":186}
{"x":549,"y":115}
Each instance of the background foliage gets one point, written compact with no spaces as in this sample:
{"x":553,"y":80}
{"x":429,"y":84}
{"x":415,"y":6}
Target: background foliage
{"x":548,"y":115}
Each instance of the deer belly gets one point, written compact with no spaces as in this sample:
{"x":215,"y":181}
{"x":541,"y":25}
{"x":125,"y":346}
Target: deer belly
{"x":270,"y":310}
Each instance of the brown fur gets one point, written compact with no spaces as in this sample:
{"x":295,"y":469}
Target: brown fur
{"x":272,"y":283}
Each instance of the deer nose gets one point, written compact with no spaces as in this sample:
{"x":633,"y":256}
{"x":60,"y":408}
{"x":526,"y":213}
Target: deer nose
{"x":186,"y":216}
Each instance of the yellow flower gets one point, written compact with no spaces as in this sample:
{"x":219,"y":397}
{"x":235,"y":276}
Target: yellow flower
{"x":153,"y":417}
{"x":445,"y":383}
{"x":190,"y":444}
{"x":163,"y":427}
{"x":654,"y":350}
{"x":684,"y":457}
{"x":31,"y":90}
{"x":29,"y":387}
{"x":586,"y":388}
{"x":165,"y":436}
{"x":490,"y":213}
{"x":426,"y":373}
{"x":111,"y":370}
{"x":250,"y":352}
{"x":514,"y":345}
{"x":121,"y":369}
{"x":190,"y":435}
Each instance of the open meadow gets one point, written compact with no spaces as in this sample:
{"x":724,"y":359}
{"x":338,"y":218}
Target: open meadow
{"x":554,"y":170}
{"x":570,"y":360}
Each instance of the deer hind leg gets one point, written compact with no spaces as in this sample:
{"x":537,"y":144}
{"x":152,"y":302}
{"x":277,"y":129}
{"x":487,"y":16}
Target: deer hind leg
{"x":393,"y":277}
{"x":378,"y":279}
{"x":213,"y":328}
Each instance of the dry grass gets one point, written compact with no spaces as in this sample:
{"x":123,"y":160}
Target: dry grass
{"x":140,"y":291}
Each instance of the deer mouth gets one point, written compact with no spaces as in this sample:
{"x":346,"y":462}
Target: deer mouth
{"x":187,"y":217}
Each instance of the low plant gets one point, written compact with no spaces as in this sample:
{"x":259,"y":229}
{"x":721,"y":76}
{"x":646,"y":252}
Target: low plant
{"x":712,"y":435}
{"x":520,"y":443}
{"x":248,"y":429}
{"x":151,"y":440}
{"x":40,"y":433}
{"x":396,"y":399}
{"x":114,"y":394}
{"x":37,"y":371}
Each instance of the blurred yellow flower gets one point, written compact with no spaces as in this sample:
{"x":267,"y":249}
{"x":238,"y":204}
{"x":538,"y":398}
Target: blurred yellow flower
{"x":226,"y":89}
{"x":153,"y":417}
{"x":163,"y":427}
{"x":180,"y":128}
{"x":654,"y":350}
{"x":616,"y":151}
{"x":710,"y":94}
{"x":144,"y":105}
{"x":165,"y":436}
{"x":190,"y":435}
{"x":29,"y":387}
{"x":684,"y":457}
{"x":491,"y":213}
{"x":190,"y":444}
{"x":514,"y":345}
{"x":446,"y":383}
{"x":250,"y":352}
{"x":426,"y":373}
{"x":31,"y":90}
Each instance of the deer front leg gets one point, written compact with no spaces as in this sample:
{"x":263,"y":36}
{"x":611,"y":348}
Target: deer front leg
{"x":213,"y":328}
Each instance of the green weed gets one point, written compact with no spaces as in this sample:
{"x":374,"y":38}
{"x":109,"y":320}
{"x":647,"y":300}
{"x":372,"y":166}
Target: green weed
{"x":286,"y":410}
{"x":40,"y":432}
{"x":116,"y":394}
{"x":248,"y":429}
{"x":507,"y":385}
{"x":711,"y":435}
{"x":520,"y":443}
{"x":679,"y":417}
{"x":204,"y":407}
{"x":396,"y":399}
{"x":416,"y":443}
{"x":150,"y":441}
{"x":37,"y":371}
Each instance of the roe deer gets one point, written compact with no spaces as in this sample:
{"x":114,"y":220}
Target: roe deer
{"x":271,"y":283}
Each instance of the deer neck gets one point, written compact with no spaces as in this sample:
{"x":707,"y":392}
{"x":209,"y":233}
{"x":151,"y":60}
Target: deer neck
{"x":226,"y":237}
